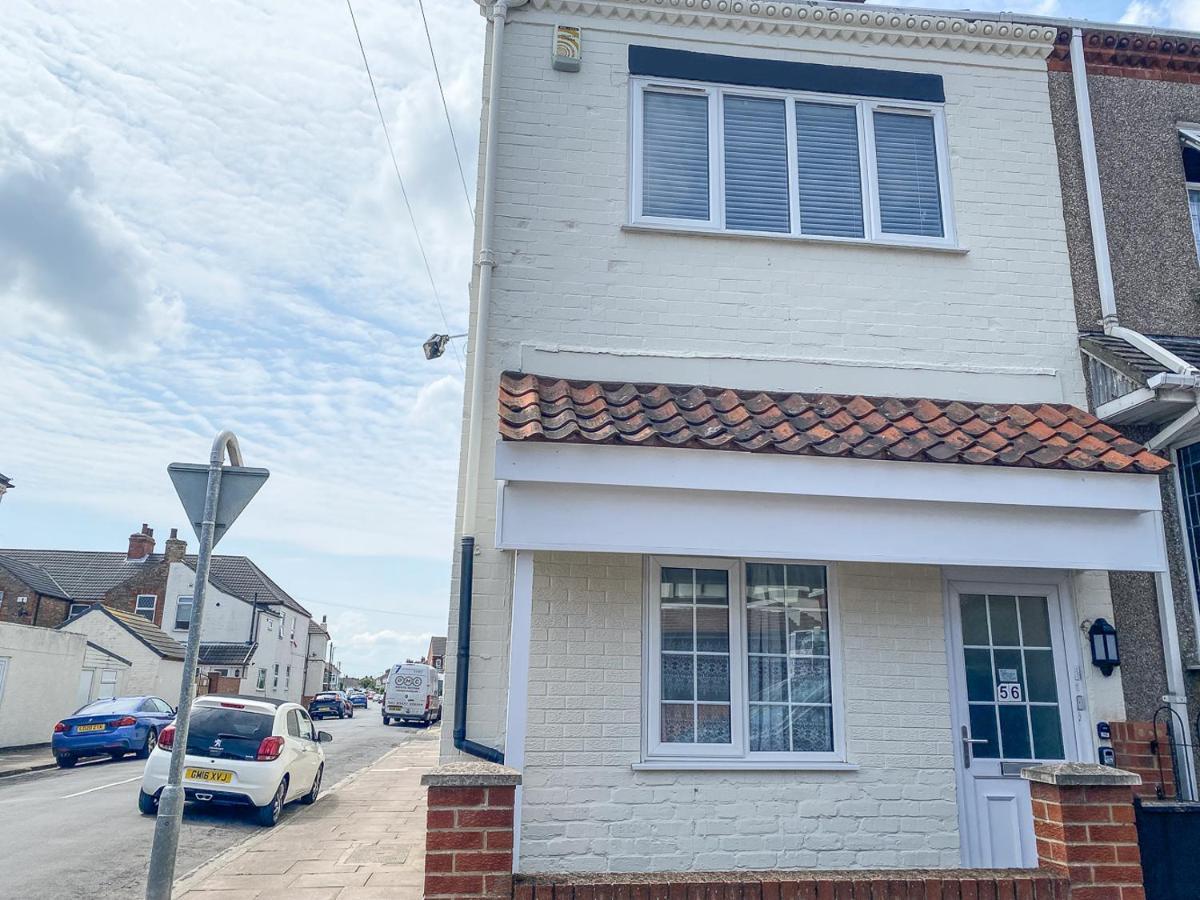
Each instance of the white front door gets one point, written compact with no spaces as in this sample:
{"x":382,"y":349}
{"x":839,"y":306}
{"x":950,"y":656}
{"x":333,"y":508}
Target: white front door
{"x":1012,"y":708}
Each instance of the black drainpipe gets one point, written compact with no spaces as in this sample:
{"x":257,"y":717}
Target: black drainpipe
{"x":462,"y":674}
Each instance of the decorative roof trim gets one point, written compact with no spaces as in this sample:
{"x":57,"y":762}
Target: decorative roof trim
{"x":845,"y":22}
{"x":1171,"y":57}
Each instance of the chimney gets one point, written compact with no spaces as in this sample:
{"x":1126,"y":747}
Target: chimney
{"x":174,"y":547}
{"x":141,"y":544}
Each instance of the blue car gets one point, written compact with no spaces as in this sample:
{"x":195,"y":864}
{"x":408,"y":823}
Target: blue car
{"x":358,"y":698}
{"x":116,"y":726}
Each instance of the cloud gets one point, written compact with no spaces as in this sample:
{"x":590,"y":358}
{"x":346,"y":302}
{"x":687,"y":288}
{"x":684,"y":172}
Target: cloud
{"x":1181,"y":14}
{"x":67,"y":261}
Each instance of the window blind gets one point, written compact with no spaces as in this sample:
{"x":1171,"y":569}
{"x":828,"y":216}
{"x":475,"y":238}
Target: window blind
{"x":675,"y":156}
{"x":756,"y":164}
{"x":830,"y":181}
{"x":906,"y":156}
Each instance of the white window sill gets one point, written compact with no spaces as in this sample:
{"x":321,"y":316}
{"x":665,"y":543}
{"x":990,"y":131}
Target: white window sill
{"x":889,"y":244}
{"x":741,"y":765}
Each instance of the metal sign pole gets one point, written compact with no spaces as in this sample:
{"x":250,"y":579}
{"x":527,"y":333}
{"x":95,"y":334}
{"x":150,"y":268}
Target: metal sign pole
{"x":161,"y":876}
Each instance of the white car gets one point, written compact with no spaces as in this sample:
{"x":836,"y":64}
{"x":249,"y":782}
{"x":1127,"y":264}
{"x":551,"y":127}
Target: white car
{"x":242,"y":751}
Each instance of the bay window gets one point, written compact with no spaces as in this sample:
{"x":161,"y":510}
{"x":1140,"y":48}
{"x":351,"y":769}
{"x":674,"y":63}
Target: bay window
{"x":760,"y":161}
{"x":741,"y":663}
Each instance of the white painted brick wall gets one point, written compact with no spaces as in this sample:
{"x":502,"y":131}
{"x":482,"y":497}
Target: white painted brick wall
{"x":585,"y":808}
{"x":929,"y":323}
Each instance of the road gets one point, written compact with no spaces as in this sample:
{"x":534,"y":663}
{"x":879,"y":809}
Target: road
{"x":77,"y":832}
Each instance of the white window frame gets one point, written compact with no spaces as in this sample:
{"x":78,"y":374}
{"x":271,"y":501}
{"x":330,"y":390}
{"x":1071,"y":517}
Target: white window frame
{"x":736,"y":754}
{"x":72,"y":610}
{"x":260,"y":683}
{"x":868,"y":164}
{"x":191,"y":605}
{"x":275,"y":679}
{"x":137,"y":603}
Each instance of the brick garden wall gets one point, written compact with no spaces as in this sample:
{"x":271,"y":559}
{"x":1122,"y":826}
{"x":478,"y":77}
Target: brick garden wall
{"x":1131,"y":742}
{"x":468,"y":843}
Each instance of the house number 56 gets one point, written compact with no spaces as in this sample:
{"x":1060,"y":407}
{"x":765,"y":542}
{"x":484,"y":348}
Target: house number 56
{"x":1009,"y":693}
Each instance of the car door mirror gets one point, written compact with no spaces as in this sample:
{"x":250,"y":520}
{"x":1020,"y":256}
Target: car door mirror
{"x":324,"y":737}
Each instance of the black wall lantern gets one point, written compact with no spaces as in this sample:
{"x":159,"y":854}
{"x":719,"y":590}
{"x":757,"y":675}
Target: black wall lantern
{"x":1103,"y":638}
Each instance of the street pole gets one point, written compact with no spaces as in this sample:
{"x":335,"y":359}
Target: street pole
{"x":161,"y":876}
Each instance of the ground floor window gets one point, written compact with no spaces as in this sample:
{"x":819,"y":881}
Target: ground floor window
{"x":262,"y":680}
{"x":743,"y":661}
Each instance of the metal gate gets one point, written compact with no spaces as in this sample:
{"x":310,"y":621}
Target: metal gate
{"x":1169,"y":827}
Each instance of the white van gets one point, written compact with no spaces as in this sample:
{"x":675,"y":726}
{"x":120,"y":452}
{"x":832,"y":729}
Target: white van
{"x":412,"y":694}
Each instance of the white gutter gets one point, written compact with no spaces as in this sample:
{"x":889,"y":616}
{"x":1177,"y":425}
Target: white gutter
{"x":1176,"y":697}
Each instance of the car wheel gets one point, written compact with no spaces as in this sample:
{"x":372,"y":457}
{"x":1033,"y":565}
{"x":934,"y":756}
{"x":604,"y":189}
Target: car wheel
{"x":352,"y":712}
{"x":147,"y":805}
{"x":268,"y":815}
{"x":148,"y":747}
{"x":66,"y":762}
{"x":311,"y":797}
{"x":341,"y":714}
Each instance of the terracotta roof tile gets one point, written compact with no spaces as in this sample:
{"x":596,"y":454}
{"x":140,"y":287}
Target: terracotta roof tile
{"x":1047,"y":436}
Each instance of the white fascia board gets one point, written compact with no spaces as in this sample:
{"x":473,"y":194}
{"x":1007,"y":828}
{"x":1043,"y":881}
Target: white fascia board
{"x":807,"y":476}
{"x":601,"y":518}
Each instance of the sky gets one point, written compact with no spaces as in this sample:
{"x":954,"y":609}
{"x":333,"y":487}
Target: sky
{"x":201,"y":228}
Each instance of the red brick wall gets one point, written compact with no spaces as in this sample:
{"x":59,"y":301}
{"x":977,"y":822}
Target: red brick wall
{"x":151,"y":581}
{"x":1088,"y":835}
{"x":50,"y":611}
{"x":468,"y":842}
{"x":1131,"y":744}
{"x":942,"y":885}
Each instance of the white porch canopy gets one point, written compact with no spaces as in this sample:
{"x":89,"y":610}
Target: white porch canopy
{"x":613,"y":499}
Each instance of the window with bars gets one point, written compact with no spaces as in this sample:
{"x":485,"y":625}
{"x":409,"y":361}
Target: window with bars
{"x":743,"y":661}
{"x":772,"y":162}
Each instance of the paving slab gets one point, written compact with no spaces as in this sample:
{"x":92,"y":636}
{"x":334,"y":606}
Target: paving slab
{"x":363,"y":840}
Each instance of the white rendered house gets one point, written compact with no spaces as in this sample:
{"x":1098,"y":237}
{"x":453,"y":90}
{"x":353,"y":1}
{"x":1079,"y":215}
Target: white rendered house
{"x":786,"y":512}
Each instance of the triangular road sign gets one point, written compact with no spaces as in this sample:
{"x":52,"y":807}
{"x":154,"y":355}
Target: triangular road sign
{"x":239,"y":484}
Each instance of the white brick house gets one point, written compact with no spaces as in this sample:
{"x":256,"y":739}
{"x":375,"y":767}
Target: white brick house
{"x":707,"y":660}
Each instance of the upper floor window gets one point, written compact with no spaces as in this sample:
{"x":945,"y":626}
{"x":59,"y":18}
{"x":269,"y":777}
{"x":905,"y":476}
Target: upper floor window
{"x":1190,"y":138}
{"x":144,"y":605}
{"x":183,"y":613}
{"x":767,"y":162}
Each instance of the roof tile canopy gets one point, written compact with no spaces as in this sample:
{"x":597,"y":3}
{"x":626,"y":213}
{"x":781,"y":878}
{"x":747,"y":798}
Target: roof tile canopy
{"x":1046,"y":436}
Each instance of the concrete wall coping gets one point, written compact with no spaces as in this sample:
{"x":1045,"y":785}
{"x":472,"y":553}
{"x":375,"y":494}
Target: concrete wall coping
{"x":471,"y":774}
{"x":1080,"y":774}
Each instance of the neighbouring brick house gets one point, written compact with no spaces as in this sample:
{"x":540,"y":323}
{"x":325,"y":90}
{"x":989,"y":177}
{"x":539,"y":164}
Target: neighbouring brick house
{"x":1133,"y":245}
{"x":46,"y":587}
{"x":436,"y":654}
{"x":780,"y":498}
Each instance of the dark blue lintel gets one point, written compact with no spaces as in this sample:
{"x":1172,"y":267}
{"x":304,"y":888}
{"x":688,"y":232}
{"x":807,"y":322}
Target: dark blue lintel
{"x":659,"y":62}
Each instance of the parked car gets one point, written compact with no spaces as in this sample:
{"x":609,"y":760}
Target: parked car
{"x":242,"y":751}
{"x":114,"y":725}
{"x":412,"y":694}
{"x":358,"y":698}
{"x":331,"y":703}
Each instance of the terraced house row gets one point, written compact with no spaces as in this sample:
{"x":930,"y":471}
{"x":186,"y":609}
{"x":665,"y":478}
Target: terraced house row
{"x":830,"y":470}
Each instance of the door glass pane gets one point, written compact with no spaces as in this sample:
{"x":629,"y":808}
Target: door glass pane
{"x":1035,"y":622}
{"x":1014,"y":731}
{"x":1012,"y":686}
{"x":983,"y":728}
{"x":676,"y":584}
{"x":1039,"y":667}
{"x":712,"y":629}
{"x":712,"y":586}
{"x":1003,"y":610}
{"x":979,"y":675}
{"x":766,"y":627}
{"x":808,"y":633}
{"x":1047,"y":732}
{"x":694,"y":668}
{"x":974,"y":620}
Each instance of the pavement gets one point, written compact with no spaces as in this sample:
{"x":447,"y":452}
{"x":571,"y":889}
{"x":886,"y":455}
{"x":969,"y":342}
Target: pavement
{"x":22,"y":760}
{"x":77,"y":832}
{"x":363,"y":840}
